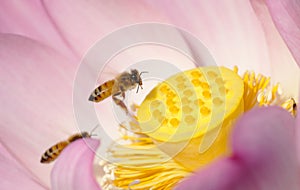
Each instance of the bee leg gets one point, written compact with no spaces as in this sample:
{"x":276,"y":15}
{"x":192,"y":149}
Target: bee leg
{"x":134,"y":107}
{"x":120,"y":102}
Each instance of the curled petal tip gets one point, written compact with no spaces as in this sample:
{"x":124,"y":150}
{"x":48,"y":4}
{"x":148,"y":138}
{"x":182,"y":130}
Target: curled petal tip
{"x":73,"y":169}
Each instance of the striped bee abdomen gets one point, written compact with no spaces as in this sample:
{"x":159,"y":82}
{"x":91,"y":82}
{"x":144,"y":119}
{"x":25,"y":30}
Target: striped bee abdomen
{"x":103,"y":91}
{"x":53,"y":152}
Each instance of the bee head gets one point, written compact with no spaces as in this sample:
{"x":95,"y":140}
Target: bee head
{"x":85,"y":135}
{"x":136,"y":78}
{"x":91,"y":133}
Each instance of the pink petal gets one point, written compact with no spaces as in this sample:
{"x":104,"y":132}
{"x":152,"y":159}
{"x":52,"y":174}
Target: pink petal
{"x":36,"y":91}
{"x":31,"y":19}
{"x":265,"y":140}
{"x":230,"y":30}
{"x":219,"y":25}
{"x":264,"y":156}
{"x":93,"y":20}
{"x":286,"y":15}
{"x":74,"y":168}
{"x":283,"y":64}
{"x":11,"y":171}
{"x":222,"y":28}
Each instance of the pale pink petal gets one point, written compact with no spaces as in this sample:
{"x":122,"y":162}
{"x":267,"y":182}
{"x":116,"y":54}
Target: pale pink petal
{"x":264,"y":156}
{"x":92,"y":20}
{"x":284,"y":68}
{"x":36,"y":101}
{"x":230,"y":30}
{"x":31,"y":19}
{"x":11,"y":171}
{"x":234,"y":33}
{"x":286,"y":15}
{"x":74,"y":168}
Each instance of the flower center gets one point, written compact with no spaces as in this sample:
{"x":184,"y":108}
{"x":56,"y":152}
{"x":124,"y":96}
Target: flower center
{"x":185,"y":123}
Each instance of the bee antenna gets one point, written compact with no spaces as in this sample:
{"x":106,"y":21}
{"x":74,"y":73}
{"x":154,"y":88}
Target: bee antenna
{"x":91,"y":133}
{"x":143,"y":72}
{"x":140,"y":85}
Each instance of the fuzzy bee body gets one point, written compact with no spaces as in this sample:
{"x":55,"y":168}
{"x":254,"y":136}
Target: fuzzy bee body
{"x":117,"y":87}
{"x":103,"y":91}
{"x":54,"y":151}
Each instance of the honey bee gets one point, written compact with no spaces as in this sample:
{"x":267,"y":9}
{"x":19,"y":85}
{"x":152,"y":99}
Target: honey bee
{"x":117,"y":87}
{"x":53,"y":152}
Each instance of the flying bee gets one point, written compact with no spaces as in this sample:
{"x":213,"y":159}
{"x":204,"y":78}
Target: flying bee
{"x":117,"y":87}
{"x":53,"y":152}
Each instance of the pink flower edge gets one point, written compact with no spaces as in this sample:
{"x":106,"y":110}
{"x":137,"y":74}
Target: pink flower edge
{"x":285,"y":14}
{"x":74,"y":168}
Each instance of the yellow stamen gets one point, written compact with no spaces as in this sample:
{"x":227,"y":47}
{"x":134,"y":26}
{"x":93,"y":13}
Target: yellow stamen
{"x":290,"y":106}
{"x":141,"y":165}
{"x":258,"y":91}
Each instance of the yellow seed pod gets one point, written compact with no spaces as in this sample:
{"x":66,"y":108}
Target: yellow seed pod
{"x":190,"y":114}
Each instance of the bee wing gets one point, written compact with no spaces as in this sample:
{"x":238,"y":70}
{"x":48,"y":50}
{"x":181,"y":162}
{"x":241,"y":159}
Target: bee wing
{"x":103,"y":91}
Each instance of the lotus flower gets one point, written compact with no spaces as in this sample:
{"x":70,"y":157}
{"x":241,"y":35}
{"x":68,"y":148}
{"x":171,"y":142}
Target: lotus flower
{"x":42,"y":44}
